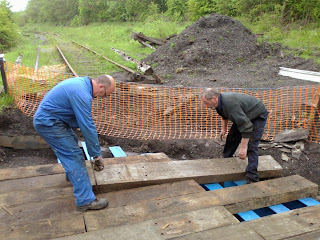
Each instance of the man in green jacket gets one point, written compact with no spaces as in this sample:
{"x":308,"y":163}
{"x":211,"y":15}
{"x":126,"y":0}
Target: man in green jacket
{"x":249,"y":117}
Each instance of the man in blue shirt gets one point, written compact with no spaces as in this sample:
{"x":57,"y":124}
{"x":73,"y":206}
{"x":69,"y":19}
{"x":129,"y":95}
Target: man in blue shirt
{"x":69,"y":105}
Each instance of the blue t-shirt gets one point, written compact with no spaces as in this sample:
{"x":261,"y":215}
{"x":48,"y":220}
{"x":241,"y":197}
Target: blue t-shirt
{"x":71,"y":102}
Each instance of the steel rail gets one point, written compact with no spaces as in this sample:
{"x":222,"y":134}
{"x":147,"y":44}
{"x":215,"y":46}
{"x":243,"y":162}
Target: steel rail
{"x":119,"y":65}
{"x":66,"y":61}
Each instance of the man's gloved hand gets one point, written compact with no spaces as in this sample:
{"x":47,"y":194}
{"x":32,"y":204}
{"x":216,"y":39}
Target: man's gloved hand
{"x":98,"y":164}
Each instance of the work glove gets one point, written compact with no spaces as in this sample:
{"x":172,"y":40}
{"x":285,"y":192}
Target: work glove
{"x":97,"y":163}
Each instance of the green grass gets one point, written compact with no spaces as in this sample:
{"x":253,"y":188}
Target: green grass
{"x":100,"y":37}
{"x":5,"y":101}
{"x":303,"y":40}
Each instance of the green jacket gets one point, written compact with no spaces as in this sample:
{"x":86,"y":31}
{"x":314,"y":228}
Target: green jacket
{"x":240,"y":109}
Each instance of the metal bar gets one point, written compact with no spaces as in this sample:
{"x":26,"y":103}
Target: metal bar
{"x":300,"y":74}
{"x":3,"y":73}
{"x":119,"y":65}
{"x":66,"y":61}
{"x":37,"y":59}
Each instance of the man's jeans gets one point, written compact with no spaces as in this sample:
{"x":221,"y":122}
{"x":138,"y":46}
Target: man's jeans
{"x":64,"y":144}
{"x":234,"y":139}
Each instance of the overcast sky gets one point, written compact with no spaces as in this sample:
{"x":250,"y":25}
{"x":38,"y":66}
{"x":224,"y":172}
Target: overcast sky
{"x":18,"y":5}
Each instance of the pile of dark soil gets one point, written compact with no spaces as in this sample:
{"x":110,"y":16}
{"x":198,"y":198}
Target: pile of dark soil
{"x":219,"y":51}
{"x":13,"y":122}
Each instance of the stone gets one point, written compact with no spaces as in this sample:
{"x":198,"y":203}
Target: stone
{"x":292,"y":135}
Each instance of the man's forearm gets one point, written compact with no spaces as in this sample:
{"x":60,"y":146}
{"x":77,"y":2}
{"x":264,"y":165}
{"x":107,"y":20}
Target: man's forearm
{"x":224,"y":124}
{"x":244,"y":142}
{"x":243,"y":148}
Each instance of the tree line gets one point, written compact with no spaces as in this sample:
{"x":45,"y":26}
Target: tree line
{"x":82,"y":12}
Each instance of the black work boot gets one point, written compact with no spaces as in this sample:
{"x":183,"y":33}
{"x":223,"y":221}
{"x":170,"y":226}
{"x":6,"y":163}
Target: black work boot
{"x":250,"y":180}
{"x":95,"y":205}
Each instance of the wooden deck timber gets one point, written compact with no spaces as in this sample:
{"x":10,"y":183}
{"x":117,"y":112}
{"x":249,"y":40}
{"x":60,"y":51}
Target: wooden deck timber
{"x":172,"y":206}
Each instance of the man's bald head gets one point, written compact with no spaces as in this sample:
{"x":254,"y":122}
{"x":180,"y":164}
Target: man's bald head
{"x":107,"y":81}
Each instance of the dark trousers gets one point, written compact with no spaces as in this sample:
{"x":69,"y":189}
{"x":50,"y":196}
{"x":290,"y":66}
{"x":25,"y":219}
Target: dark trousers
{"x":234,"y":138}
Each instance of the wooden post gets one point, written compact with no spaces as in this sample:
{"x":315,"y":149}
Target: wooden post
{"x":3,"y":73}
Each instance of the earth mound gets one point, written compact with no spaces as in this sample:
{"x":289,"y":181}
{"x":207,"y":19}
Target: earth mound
{"x":218,"y":50}
{"x":210,"y":42}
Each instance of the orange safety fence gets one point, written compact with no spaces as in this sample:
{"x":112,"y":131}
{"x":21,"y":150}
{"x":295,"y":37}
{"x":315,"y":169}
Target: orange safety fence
{"x":145,"y":112}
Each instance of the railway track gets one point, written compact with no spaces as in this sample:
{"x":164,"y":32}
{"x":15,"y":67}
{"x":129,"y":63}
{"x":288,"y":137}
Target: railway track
{"x":80,"y":62}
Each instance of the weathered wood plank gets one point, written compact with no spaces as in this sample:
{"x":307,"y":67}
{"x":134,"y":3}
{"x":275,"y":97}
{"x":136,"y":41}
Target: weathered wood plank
{"x":44,"y":229}
{"x":115,"y":199}
{"x":91,"y":175}
{"x":262,"y":194}
{"x":141,"y":36}
{"x":235,"y":199}
{"x":167,"y":227}
{"x":30,"y":171}
{"x":151,"y":157}
{"x":234,"y":232}
{"x":288,"y":224}
{"x":64,"y":206}
{"x":278,"y":226}
{"x":32,"y":183}
{"x":307,"y":236}
{"x":124,"y":176}
{"x":28,"y":196}
{"x":23,"y":142}
{"x":155,"y":192}
{"x":31,"y":212}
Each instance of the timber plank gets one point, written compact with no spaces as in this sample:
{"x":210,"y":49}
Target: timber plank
{"x":45,"y":229}
{"x":151,"y":157}
{"x":115,"y":199}
{"x":287,"y":224}
{"x":32,"y":183}
{"x":292,"y":224}
{"x":234,"y":232}
{"x":91,"y":174}
{"x":167,"y":227}
{"x":31,"y":212}
{"x":30,"y":171}
{"x":28,"y":196}
{"x":64,"y":206}
{"x":262,"y":193}
{"x":148,"y":210}
{"x":307,"y":236}
{"x":235,"y":199}
{"x":143,"y":194}
{"x":124,"y":176}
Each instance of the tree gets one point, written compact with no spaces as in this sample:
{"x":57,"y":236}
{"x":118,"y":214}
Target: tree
{"x":34,"y":11}
{"x":8,"y":30}
{"x":176,"y":9}
{"x":198,"y":8}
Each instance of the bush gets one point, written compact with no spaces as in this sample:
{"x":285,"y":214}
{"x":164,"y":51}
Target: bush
{"x":8,"y":30}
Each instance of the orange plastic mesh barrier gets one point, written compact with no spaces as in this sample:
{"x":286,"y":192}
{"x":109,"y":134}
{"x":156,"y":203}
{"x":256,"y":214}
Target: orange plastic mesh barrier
{"x":138,"y":111}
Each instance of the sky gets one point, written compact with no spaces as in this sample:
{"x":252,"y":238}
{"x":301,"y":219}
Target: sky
{"x":18,"y":5}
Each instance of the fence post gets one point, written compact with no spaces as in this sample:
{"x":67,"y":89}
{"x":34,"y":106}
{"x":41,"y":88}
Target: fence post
{"x":3,"y":73}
